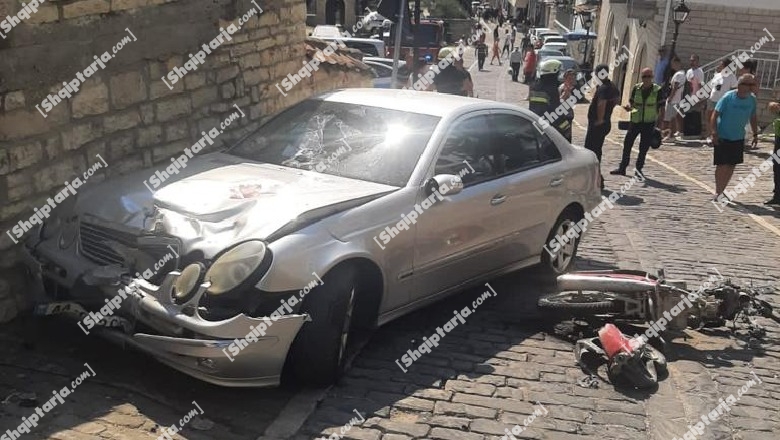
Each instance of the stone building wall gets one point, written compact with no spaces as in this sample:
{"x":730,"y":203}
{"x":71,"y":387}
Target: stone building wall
{"x":125,"y":112}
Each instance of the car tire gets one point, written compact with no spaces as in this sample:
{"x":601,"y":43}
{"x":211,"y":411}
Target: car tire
{"x":318,"y":354}
{"x":564,"y":258}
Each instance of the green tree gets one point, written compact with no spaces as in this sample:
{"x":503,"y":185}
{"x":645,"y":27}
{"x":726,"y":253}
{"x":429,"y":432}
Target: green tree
{"x":445,"y":8}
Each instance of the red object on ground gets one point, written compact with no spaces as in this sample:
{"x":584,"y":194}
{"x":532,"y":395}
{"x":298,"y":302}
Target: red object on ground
{"x":614,"y":341}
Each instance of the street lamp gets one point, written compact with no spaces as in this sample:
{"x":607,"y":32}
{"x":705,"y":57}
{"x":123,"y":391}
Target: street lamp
{"x":681,"y":12}
{"x":587,"y":22}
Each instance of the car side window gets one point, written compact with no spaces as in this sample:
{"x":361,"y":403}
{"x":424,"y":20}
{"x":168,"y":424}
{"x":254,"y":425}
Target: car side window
{"x":548,"y":151}
{"x":469,"y":141}
{"x":517,"y":142}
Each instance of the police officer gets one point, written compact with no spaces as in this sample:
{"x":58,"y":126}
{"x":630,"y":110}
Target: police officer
{"x":544,"y":95}
{"x":645,"y":103}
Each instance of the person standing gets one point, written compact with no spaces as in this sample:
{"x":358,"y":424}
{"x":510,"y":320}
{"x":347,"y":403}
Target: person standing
{"x":672,"y":119}
{"x":644,"y":103}
{"x":775,"y":200}
{"x":529,"y":66}
{"x":496,"y":52}
{"x":506,"y":48}
{"x":515,"y":61}
{"x":565,"y":90}
{"x":660,"y":66}
{"x":467,"y":83}
{"x":723,"y":81}
{"x":513,"y":37}
{"x":727,"y":125}
{"x":695,"y":77}
{"x":600,"y":113}
{"x":482,"y":52}
{"x":544,"y":94}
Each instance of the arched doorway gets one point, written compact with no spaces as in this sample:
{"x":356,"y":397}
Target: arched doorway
{"x":622,"y":70}
{"x":334,"y":12}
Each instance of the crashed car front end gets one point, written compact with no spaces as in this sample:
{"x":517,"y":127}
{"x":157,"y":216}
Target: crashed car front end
{"x":165,"y":319}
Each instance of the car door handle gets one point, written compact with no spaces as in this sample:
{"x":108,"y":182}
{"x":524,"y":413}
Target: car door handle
{"x":556,"y":181}
{"x":498,"y":199}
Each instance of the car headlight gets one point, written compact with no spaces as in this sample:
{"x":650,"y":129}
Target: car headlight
{"x":188,"y":282}
{"x":237,"y":267}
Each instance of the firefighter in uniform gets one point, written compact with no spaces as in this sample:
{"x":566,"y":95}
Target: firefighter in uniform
{"x":645,"y":103}
{"x":544,"y":95}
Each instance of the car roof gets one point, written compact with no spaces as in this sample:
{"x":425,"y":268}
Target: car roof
{"x":427,"y":103}
{"x":562,"y":58}
{"x":555,"y":44}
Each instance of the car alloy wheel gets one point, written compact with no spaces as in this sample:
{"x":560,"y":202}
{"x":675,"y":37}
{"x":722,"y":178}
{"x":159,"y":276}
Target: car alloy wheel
{"x":563,"y":259}
{"x":565,"y":255}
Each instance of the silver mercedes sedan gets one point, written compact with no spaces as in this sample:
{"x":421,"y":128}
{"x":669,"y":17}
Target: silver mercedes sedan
{"x":344,"y":211}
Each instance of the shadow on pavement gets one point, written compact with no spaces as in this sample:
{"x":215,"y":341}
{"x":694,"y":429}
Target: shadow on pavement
{"x":675,"y":189}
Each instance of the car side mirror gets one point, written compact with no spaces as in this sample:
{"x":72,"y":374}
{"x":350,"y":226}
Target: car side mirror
{"x":444,"y":184}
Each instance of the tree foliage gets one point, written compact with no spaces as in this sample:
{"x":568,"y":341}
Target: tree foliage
{"x":445,"y":8}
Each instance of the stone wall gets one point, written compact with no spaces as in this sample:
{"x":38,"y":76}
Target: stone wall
{"x":125,"y":112}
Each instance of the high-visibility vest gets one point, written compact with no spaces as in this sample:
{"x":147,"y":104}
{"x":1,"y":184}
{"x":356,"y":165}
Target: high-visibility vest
{"x":645,"y":111}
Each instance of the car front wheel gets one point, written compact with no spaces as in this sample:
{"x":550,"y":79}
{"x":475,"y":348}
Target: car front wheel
{"x":318,"y":354}
{"x":563,"y":259}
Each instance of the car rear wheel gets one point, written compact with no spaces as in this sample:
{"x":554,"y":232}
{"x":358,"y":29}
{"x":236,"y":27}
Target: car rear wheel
{"x":562,"y":260}
{"x":318,"y":354}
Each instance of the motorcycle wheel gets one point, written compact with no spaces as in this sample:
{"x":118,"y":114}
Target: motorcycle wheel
{"x":575,"y":301}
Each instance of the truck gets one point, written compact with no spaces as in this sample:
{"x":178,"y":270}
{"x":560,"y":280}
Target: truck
{"x":428,"y":37}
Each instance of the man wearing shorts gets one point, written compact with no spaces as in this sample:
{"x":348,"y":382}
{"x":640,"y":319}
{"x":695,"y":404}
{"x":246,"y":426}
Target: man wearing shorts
{"x":727,"y":125}
{"x":672,"y":119}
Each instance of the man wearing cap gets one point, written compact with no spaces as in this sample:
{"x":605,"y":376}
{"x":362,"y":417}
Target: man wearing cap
{"x":644,"y":103}
{"x":727,"y":125}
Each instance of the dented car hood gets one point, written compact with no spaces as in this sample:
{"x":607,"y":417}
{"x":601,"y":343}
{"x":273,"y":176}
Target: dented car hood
{"x":220,"y":199}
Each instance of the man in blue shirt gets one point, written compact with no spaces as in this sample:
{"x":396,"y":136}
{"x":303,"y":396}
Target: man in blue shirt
{"x":660,"y":66}
{"x":727,"y":126}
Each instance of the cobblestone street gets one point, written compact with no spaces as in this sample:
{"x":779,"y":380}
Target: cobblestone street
{"x":491,"y":372}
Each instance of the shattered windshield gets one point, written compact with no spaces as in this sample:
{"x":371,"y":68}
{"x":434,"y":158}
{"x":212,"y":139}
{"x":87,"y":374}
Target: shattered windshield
{"x":349,"y":140}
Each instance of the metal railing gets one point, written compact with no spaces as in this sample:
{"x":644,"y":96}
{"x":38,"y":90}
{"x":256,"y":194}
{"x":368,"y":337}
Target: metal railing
{"x":767,"y":68}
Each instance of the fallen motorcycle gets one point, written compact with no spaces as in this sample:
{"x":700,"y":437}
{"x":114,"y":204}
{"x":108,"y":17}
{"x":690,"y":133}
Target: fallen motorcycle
{"x":638,"y":295}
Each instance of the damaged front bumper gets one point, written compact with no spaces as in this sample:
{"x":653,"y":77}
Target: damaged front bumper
{"x":182,"y":338}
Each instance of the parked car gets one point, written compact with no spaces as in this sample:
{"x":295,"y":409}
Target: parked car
{"x":536,"y":31}
{"x":560,"y":47}
{"x":383,"y":72}
{"x":304,"y":212}
{"x":327,"y":31}
{"x":542,"y":35}
{"x":554,"y":39}
{"x":541,"y":54}
{"x":568,"y":63}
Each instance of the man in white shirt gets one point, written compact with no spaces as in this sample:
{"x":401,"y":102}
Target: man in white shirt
{"x":723,"y":81}
{"x":695,"y":76}
{"x":672,"y":119}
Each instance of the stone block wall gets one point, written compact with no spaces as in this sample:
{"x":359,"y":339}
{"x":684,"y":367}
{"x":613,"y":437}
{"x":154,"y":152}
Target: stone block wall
{"x":125,"y":112}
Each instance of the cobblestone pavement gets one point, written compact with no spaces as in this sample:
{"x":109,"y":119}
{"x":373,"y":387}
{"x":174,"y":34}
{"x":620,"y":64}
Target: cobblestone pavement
{"x":130,"y":397}
{"x":491,"y":372}
{"x":488,"y":375}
